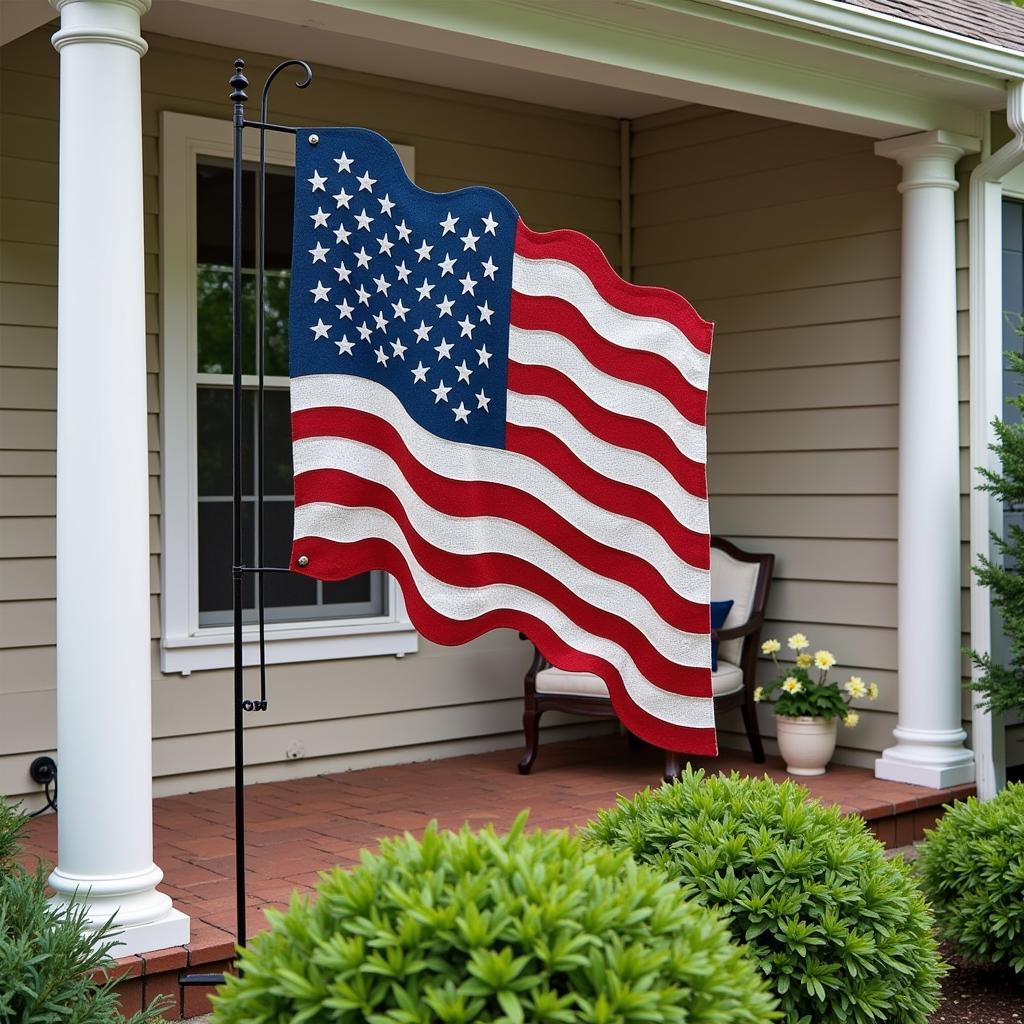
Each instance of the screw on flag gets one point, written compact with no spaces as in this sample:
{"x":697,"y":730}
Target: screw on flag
{"x":496,"y":418}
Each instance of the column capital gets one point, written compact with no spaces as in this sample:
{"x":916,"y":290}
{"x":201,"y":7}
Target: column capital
{"x":928,"y":159}
{"x":115,"y":22}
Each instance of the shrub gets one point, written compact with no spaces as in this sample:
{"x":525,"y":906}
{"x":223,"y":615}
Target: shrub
{"x":479,"y":927}
{"x":844,"y":935}
{"x":972,"y":869}
{"x":12,"y":825}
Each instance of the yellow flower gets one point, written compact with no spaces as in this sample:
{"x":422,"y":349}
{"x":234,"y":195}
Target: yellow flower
{"x":804,"y":660}
{"x":759,"y":693}
{"x":770,"y":647}
{"x":851,"y":719}
{"x":824,"y":659}
{"x":797,"y":642}
{"x":792,"y":685}
{"x":872,"y":691}
{"x":855,"y":687}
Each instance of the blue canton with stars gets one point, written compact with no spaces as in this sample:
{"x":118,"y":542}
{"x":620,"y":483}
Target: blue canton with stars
{"x":402,"y":286}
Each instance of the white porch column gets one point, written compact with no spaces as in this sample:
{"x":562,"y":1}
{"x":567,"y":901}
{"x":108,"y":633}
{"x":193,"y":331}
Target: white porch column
{"x":104,"y":732}
{"x":929,"y":748}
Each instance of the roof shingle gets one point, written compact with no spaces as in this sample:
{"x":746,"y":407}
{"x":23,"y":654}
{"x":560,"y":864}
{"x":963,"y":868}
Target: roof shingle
{"x":987,"y":21}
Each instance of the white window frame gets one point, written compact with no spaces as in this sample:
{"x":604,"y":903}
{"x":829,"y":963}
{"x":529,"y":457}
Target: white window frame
{"x":185,"y":646}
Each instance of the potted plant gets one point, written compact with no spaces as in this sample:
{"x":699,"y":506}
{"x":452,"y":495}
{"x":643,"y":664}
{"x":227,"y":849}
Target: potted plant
{"x":808,"y":706}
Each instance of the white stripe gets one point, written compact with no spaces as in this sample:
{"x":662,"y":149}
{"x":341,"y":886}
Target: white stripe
{"x":622,"y":464}
{"x":493,"y":465}
{"x":462,"y":603}
{"x":647,"y":333}
{"x":545,"y":348}
{"x":481,"y":535}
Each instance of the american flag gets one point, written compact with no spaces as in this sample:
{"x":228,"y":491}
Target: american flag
{"x":497,"y":419}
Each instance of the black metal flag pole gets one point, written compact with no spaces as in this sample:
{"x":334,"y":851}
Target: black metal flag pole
{"x":239,"y":83}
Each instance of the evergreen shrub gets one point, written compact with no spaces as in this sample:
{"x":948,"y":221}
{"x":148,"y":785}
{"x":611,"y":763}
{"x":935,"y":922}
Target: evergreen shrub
{"x":972,"y":870}
{"x":476,"y":927}
{"x":843,"y":934}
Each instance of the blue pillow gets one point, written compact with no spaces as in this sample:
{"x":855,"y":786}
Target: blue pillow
{"x":719,"y":613}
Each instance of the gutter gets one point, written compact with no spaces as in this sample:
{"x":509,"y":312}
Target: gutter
{"x":986,"y":395}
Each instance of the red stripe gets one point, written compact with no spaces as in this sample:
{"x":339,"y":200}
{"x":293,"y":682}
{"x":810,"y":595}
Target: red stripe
{"x":464,"y":499}
{"x":625,"y":500}
{"x":640,"y":300}
{"x":487,"y":569}
{"x":622,"y":499}
{"x":622,"y":431}
{"x":648,"y":369}
{"x":352,"y":559}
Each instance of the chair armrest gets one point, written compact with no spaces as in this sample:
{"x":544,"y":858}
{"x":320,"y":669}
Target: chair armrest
{"x":752,"y":625}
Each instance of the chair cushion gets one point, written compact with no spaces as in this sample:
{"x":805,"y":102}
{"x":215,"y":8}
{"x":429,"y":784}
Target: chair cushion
{"x":731,"y":578}
{"x":728,"y":679}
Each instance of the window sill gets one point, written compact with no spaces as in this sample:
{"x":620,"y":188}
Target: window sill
{"x":285,"y":644}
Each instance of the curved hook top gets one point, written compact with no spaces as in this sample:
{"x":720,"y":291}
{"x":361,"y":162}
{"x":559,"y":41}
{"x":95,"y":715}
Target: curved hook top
{"x":273,"y":74}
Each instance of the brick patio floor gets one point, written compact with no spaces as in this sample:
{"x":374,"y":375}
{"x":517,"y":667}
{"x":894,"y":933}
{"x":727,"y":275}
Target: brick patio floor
{"x":298,"y":828}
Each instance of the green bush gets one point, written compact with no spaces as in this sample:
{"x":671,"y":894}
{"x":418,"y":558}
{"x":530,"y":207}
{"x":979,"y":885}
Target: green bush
{"x":972,"y":870}
{"x":46,"y":959}
{"x":476,"y":927}
{"x":844,"y":935}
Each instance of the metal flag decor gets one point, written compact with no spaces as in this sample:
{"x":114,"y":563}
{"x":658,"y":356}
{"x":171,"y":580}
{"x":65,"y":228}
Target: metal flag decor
{"x":496,"y":418}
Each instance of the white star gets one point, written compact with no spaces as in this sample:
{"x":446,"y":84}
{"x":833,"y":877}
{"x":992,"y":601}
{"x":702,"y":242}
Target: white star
{"x":447,"y":265}
{"x":489,"y":224}
{"x":461,"y":413}
{"x":422,"y":332}
{"x":423,"y":251}
{"x":320,"y":330}
{"x":386,"y":245}
{"x":489,"y":268}
{"x":319,"y":218}
{"x":364,"y":331}
{"x":344,"y":310}
{"x":482,"y":401}
{"x":448,"y":224}
{"x":468,"y":327}
{"x":366,"y":182}
{"x":398,"y":349}
{"x":344,"y":162}
{"x":363,"y":257}
{"x":440,"y":393}
{"x":386,"y":206}
{"x":382,"y":284}
{"x":400,"y":310}
{"x":378,"y":319}
{"x":318,"y":253}
{"x":403,"y":232}
{"x":382,"y":356}
{"x":319,"y":292}
{"x":341,"y":234}
{"x":419,"y":375}
{"x":364,"y":296}
{"x":364,"y":220}
{"x":445,"y":307}
{"x":485,"y":313}
{"x":484,"y":356}
{"x":342,"y":199}
{"x":317,"y":182}
{"x":443,"y":350}
{"x":343,"y":272}
{"x":344,"y":346}
{"x":469,"y":241}
{"x":464,"y":372}
{"x":425,"y":289}
{"x":468,"y":284}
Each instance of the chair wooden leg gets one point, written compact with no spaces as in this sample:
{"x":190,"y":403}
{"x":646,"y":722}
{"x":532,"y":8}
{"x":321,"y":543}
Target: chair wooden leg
{"x":531,"y":732}
{"x":753,"y":730}
{"x":672,"y":766}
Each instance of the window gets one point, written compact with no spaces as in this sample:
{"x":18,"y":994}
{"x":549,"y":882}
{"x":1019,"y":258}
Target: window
{"x":306,"y":619}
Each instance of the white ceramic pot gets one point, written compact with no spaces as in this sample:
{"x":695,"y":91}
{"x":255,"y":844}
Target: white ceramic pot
{"x":806,"y":744}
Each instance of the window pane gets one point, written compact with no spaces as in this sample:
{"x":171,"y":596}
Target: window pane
{"x":275,"y":323}
{"x":280,"y":208}
{"x":277,"y":443}
{"x":214,"y":210}
{"x":215,"y":561}
{"x":213,"y":320}
{"x":213,"y":448}
{"x":355,"y":589}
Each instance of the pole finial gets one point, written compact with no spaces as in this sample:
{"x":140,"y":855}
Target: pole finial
{"x":238,"y":82}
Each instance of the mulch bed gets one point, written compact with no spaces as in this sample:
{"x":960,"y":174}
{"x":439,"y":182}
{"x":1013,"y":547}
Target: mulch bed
{"x":979,"y":993}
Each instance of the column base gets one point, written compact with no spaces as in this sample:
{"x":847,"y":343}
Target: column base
{"x":173,"y":929}
{"x":936,"y":760}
